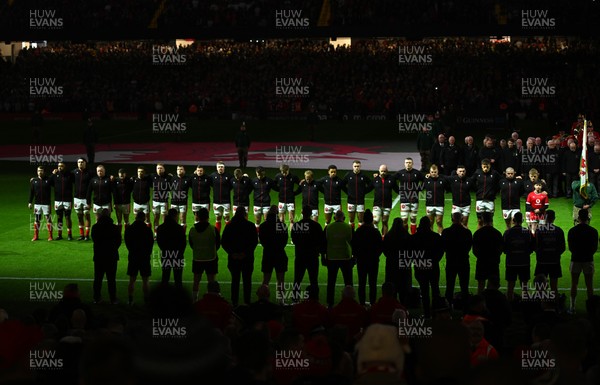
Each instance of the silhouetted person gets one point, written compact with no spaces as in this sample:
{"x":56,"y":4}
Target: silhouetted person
{"x":170,"y":237}
{"x":239,"y":241}
{"x":90,"y":138}
{"x":488,"y":245}
{"x":395,"y":242}
{"x":583,"y":243}
{"x":242,"y":144}
{"x":426,"y":251}
{"x":107,"y":239}
{"x":309,"y":241}
{"x":457,"y":241}
{"x":139,"y":241}
{"x":367,"y":246}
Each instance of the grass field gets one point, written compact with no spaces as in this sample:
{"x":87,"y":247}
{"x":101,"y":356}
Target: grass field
{"x":25,"y":264}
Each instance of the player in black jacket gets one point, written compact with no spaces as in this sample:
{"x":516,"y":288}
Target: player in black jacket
{"x":486,"y":183}
{"x":461,"y":186}
{"x":141,"y":192}
{"x":331,"y":186}
{"x":101,"y":190}
{"x":358,"y":184}
{"x":62,"y":181}
{"x":285,"y":184}
{"x":201,"y":184}
{"x":180,"y":187}
{"x":261,"y":186}
{"x":383,"y":185}
{"x":241,"y":185}
{"x":40,"y":191}
{"x":221,"y":184}
{"x":81,"y":181}
{"x":511,"y":189}
{"x":410,"y":182}
{"x":161,"y":186}
{"x":435,"y":186}
{"x":310,"y":194}
{"x":122,"y":188}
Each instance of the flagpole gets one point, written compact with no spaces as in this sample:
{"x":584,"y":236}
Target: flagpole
{"x":583,"y":174}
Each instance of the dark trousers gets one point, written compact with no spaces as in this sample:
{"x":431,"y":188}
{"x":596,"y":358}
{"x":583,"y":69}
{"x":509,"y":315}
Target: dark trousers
{"x":569,"y":178}
{"x":303,"y":265}
{"x":110,"y":269}
{"x":243,"y":156}
{"x":428,"y":279}
{"x":367,"y":271}
{"x":332,"y":270}
{"x":177,"y":276}
{"x":91,"y":153}
{"x":463,"y":272}
{"x":401,"y":278}
{"x":595,"y":180}
{"x":552,"y":181}
{"x":425,"y":159}
{"x":241,"y":269}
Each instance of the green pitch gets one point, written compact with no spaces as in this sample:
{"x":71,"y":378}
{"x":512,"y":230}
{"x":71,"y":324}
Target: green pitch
{"x":54,"y":264}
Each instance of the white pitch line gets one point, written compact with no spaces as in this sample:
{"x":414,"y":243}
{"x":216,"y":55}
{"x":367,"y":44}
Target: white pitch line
{"x":224,"y":282}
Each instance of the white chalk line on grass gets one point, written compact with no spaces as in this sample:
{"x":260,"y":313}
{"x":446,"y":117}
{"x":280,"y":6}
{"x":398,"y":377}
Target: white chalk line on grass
{"x":223,"y":282}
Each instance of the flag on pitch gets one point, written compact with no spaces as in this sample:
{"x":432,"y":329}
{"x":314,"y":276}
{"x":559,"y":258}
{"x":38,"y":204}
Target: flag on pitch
{"x":583,"y":174}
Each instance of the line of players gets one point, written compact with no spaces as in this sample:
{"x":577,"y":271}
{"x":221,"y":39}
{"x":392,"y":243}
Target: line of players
{"x":76,"y":189}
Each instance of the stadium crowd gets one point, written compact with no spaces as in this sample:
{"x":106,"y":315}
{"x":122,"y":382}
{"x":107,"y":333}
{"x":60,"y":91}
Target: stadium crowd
{"x":219,"y":78}
{"x":174,"y":15}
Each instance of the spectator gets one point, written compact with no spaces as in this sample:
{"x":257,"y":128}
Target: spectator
{"x":242,"y":144}
{"x":170,"y":237}
{"x":90,"y":138}
{"x":239,"y":241}
{"x":367,"y":246}
{"x":214,"y":307}
{"x":107,"y":239}
{"x":338,"y":236}
{"x":379,"y":356}
{"x":350,"y":315}
{"x":139,"y":241}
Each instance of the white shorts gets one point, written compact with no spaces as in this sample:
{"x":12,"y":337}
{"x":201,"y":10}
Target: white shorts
{"x":246,"y":207}
{"x":332,"y":209}
{"x":159,"y":207}
{"x":221,"y":209}
{"x":98,"y":208}
{"x":464,"y":210}
{"x":62,"y":205}
{"x":434,"y":210}
{"x":532,"y":217}
{"x":283,"y":207}
{"x":197,"y":206}
{"x":409,"y":208}
{"x":144,"y":208}
{"x":180,"y":208}
{"x":377,"y":211}
{"x":41,"y":209}
{"x":314,"y":213}
{"x":81,"y":205}
{"x":506,"y":214}
{"x":124,"y":209}
{"x":356,"y":208}
{"x":483,"y":206}
{"x":258,"y":210}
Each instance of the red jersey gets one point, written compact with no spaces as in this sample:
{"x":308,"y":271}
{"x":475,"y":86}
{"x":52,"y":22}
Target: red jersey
{"x":537,"y":201}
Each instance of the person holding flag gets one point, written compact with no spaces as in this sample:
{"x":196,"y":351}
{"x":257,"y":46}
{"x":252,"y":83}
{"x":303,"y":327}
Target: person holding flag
{"x":585,"y":195}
